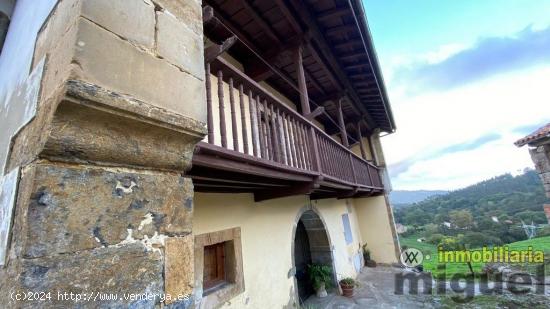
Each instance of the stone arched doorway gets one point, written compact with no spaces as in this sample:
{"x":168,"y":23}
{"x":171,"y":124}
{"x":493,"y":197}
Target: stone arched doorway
{"x":311,"y":245}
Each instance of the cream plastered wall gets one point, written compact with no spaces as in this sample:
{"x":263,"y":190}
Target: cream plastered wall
{"x":375,"y":228}
{"x":267,"y":238}
{"x":357,"y":150}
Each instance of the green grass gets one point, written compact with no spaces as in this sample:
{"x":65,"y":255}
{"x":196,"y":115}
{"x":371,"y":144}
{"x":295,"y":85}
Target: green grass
{"x":431,"y":262}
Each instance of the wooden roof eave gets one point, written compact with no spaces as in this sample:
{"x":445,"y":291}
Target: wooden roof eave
{"x":334,"y":68}
{"x":368,"y":44}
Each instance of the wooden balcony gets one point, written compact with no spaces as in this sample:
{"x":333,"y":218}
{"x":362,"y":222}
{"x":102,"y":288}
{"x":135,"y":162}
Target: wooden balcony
{"x":258,"y":144}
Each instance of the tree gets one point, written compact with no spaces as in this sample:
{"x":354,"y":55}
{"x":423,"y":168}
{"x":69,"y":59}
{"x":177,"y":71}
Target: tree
{"x":461,"y":219}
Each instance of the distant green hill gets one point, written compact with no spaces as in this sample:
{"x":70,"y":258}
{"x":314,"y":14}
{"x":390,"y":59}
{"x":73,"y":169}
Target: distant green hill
{"x":404,"y":197}
{"x":471,"y":210}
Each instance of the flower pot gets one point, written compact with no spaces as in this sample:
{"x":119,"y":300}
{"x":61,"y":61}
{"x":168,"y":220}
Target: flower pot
{"x":347,"y":289}
{"x":321,"y":291}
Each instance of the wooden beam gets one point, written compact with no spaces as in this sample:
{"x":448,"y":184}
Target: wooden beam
{"x":318,"y":111}
{"x":339,"y":30}
{"x":342,"y":124}
{"x":356,"y":66}
{"x":200,"y":175}
{"x":353,"y":55}
{"x":257,"y":70}
{"x":243,"y":168}
{"x":207,"y":14}
{"x":315,"y":83}
{"x":283,"y":192}
{"x":245,"y":40}
{"x":261,"y":21}
{"x":304,"y":98}
{"x":348,"y":44}
{"x":315,"y":33}
{"x":213,"y":51}
{"x":289,"y":16}
{"x":333,"y":13}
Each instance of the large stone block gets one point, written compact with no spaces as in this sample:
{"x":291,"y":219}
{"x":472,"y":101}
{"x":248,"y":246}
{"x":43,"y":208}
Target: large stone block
{"x":124,"y":270}
{"x":179,"y":267}
{"x":130,"y":19}
{"x":75,"y":208}
{"x":136,"y":73}
{"x":178,"y":44}
{"x":188,"y":11}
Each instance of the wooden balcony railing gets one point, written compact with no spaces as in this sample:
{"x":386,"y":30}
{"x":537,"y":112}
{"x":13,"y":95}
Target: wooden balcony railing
{"x":247,"y":121}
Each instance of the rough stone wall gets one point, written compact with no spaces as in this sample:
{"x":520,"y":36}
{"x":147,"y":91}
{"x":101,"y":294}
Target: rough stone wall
{"x":102,"y":203}
{"x":541,"y":157}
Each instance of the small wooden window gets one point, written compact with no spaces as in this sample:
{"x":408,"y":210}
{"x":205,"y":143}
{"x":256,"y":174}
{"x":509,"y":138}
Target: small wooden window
{"x":214,"y":266}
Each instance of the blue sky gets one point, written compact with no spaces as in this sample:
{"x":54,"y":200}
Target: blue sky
{"x":465,"y":79}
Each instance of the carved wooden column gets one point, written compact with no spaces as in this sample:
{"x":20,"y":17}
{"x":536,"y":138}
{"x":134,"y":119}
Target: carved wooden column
{"x":360,"y":139}
{"x":342,"y":124}
{"x":304,"y":98}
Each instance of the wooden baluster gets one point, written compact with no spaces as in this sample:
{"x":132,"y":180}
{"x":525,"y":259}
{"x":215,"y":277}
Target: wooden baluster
{"x":274,"y":135}
{"x":243,"y":119}
{"x":234,"y":129}
{"x":353,"y":171}
{"x":307,"y":147}
{"x":299,"y":149}
{"x":288,"y":155}
{"x":323,"y":153}
{"x":210,"y":118}
{"x":330,"y":157}
{"x":336,"y":160}
{"x":280,"y":136}
{"x":294,"y":143}
{"x":370,"y":176}
{"x":269,"y":147}
{"x":261,"y":127}
{"x":304,"y":146}
{"x":254,"y":127}
{"x":221,"y":106}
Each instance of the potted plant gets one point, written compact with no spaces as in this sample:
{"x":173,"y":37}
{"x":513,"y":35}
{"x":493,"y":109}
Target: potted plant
{"x":347,"y":285}
{"x":321,"y":277}
{"x":366,"y":252}
{"x":366,"y":256}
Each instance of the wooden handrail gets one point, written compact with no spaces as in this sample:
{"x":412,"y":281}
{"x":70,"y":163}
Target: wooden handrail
{"x":241,"y":77}
{"x":280,"y":134}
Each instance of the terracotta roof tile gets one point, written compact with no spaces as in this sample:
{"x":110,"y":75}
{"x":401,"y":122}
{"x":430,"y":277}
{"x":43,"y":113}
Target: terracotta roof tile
{"x":538,"y":134}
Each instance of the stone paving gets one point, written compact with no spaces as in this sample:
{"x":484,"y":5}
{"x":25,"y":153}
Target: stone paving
{"x":376,"y":290}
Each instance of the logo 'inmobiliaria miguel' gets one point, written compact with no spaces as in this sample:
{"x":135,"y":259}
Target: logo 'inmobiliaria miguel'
{"x":411,"y":257}
{"x":464,"y":286}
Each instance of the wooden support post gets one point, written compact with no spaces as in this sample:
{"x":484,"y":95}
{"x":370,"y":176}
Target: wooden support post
{"x":233,"y":116}
{"x":342,"y":124}
{"x":304,"y":98}
{"x":221,"y":106}
{"x":243,"y":119}
{"x":210,"y":118}
{"x":360,"y":141}
{"x":207,"y":14}
{"x":253,"y":123}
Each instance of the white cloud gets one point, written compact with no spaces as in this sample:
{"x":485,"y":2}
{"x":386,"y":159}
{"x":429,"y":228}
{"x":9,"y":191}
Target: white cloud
{"x":430,"y":121}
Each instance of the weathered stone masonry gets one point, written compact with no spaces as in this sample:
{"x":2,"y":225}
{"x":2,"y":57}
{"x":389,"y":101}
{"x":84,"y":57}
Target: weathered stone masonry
{"x":102,"y":202}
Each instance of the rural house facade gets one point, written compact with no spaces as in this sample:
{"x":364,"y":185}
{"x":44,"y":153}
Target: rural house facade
{"x":172,"y":147}
{"x":539,"y":149}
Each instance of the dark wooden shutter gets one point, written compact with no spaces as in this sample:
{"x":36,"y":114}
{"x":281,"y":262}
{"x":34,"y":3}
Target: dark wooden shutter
{"x":214,"y":265}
